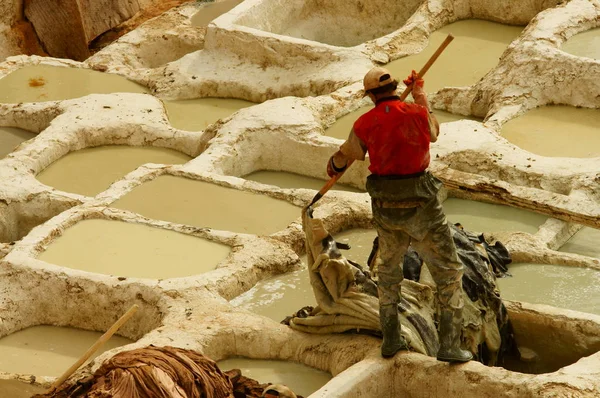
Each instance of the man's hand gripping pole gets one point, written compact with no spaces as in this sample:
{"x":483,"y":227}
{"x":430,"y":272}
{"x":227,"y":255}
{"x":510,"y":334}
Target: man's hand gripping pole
{"x":407,"y":91}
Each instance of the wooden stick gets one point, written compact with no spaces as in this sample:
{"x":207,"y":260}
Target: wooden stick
{"x":103,"y":339}
{"x":407,"y":91}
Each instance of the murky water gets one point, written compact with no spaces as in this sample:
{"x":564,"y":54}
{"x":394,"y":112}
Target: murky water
{"x":485,"y":217}
{"x":301,"y":379}
{"x":585,"y":44}
{"x":560,"y":286}
{"x":278,"y":297}
{"x":341,"y":128}
{"x":52,"y":83}
{"x":49,"y":350}
{"x":211,"y":11}
{"x":133,"y":250}
{"x":284,"y":179}
{"x":19,"y":389}
{"x":475,"y":50}
{"x":202,"y":204}
{"x":550,"y":131}
{"x":11,"y":137}
{"x":585,"y":242}
{"x":90,"y":171}
{"x":197,"y":114}
{"x":283,"y":295}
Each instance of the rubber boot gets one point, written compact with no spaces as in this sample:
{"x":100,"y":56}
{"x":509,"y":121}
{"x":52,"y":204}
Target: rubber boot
{"x":450,"y":330}
{"x":393,"y":341}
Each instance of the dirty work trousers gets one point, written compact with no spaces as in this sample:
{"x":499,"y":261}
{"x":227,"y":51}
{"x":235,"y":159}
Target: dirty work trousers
{"x":406,"y":211}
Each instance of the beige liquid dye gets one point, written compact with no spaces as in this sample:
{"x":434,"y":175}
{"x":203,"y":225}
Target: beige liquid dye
{"x":585,"y":242}
{"x":11,"y":137}
{"x":476,"y":49}
{"x":202,"y":204}
{"x":560,"y":286}
{"x":90,"y":171}
{"x":283,"y":295}
{"x":585,"y":44}
{"x":563,"y":131}
{"x":133,"y":250}
{"x":485,"y":217}
{"x":211,"y":11}
{"x":198,"y":114}
{"x":341,"y":128}
{"x":301,"y":379}
{"x":49,"y":350}
{"x":53,"y":83}
{"x":19,"y":389}
{"x":284,"y":179}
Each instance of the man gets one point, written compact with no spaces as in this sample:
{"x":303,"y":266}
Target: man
{"x":405,"y":206}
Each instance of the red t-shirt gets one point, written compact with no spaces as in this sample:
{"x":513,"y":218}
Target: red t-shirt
{"x":397,"y":137}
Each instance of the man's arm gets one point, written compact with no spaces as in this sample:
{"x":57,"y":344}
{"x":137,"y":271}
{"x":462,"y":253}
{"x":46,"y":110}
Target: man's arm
{"x":352,"y":149}
{"x":420,"y":98}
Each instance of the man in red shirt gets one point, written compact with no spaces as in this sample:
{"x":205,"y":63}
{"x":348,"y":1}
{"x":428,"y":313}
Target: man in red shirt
{"x":406,"y":209}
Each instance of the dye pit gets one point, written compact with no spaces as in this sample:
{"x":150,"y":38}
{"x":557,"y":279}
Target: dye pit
{"x":300,"y":378}
{"x":210,"y":11}
{"x":18,"y":389}
{"x":198,"y":114}
{"x":547,"y":284}
{"x":486,"y":39}
{"x":584,"y":242}
{"x":133,"y":250}
{"x":486,"y":217}
{"x":203,"y":204}
{"x":90,"y":171}
{"x":550,"y":131}
{"x":54,"y":83}
{"x":585,"y":44}
{"x":11,"y":137}
{"x":48,"y":350}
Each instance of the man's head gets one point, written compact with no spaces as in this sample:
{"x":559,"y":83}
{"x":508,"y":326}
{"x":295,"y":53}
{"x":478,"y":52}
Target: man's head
{"x":378,"y":83}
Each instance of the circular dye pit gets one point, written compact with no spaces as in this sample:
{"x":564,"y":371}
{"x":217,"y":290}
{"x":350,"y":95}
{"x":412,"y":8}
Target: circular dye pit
{"x":133,"y":250}
{"x":341,"y":128}
{"x":585,"y":242}
{"x":585,"y":44}
{"x":90,"y":171}
{"x":560,"y":286}
{"x":480,"y":42}
{"x":563,"y":131}
{"x":301,"y":379}
{"x":49,"y":350}
{"x":282,"y":295}
{"x":53,"y":83}
{"x":18,"y":389}
{"x":287,"y":180}
{"x":203,"y":204}
{"x":198,"y":114}
{"x":486,"y":217}
{"x":11,"y":137}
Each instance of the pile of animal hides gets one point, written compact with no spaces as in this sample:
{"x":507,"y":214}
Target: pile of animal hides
{"x":347,"y":298}
{"x":166,"y":372}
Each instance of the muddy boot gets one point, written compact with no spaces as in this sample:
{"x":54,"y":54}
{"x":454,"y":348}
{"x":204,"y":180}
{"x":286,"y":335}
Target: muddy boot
{"x":393,"y":341}
{"x":450,"y":331}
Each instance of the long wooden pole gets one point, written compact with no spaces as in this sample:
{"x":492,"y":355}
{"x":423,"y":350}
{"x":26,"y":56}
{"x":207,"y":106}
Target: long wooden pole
{"x":407,"y":91}
{"x":103,"y":339}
